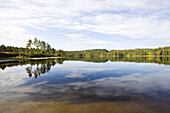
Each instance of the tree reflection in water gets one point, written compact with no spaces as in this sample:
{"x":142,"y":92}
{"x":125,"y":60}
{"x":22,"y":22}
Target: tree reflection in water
{"x":36,"y":68}
{"x":42,"y":67}
{"x":39,"y":67}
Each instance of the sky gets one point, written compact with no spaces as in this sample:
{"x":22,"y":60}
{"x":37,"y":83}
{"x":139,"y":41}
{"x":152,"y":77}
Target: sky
{"x":86,"y":24}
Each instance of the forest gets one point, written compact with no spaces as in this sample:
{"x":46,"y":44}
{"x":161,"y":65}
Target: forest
{"x":159,"y":52}
{"x":38,"y":48}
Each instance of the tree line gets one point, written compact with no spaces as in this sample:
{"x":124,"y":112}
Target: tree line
{"x":159,"y":52}
{"x":38,"y":48}
{"x":86,"y":53}
{"x":35,"y":48}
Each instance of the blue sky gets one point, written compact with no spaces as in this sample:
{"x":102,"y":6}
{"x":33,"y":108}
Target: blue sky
{"x":86,"y":24}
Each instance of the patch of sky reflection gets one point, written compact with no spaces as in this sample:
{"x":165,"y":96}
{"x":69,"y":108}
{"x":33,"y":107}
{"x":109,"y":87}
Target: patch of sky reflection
{"x":101,"y":80}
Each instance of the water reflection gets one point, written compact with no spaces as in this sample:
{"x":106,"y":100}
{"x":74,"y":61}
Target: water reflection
{"x":158,"y":60}
{"x":40,"y":68}
{"x":80,"y":82}
{"x":36,"y":68}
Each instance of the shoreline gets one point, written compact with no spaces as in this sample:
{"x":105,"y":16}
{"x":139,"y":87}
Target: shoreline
{"x":14,"y":59}
{"x":10,"y":59}
{"x":97,"y":107}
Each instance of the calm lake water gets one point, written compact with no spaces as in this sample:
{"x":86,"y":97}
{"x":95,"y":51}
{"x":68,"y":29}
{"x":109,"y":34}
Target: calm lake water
{"x":82,"y":82}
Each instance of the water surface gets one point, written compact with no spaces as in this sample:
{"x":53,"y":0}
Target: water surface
{"x":79,"y":82}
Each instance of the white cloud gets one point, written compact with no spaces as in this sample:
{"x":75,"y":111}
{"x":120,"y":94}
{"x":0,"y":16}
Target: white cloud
{"x":135,"y":27}
{"x":146,"y":19}
{"x":76,"y":36}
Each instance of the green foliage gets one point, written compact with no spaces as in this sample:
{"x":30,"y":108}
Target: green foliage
{"x":38,"y":48}
{"x":29,"y":44}
{"x":164,"y":51}
{"x":60,"y":53}
{"x":159,"y":52}
{"x":87,"y":53}
{"x":33,"y":49}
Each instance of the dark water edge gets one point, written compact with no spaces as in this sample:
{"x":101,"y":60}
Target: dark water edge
{"x":158,"y":60}
{"x":14,"y":62}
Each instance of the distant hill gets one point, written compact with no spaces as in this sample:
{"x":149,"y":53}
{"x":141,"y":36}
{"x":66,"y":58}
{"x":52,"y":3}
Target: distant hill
{"x":161,"y":51}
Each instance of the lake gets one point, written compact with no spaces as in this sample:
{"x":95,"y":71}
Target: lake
{"x":86,"y":85}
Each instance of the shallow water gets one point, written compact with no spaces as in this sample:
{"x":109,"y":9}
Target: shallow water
{"x":80,"y":82}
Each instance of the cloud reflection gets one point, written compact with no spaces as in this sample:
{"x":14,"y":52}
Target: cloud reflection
{"x":87,"y":82}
